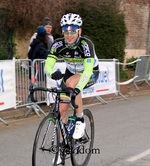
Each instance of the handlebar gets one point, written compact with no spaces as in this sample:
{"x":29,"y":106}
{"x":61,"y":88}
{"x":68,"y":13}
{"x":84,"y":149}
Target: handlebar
{"x":54,"y":90}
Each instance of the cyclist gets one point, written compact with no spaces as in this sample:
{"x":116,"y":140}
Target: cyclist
{"x":82,"y":67}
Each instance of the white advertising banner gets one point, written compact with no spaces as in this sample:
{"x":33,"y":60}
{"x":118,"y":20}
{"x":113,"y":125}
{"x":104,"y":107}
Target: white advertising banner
{"x":106,"y":83}
{"x":7,"y":84}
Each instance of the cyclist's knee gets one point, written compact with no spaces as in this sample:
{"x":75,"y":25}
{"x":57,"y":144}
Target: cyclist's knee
{"x":72,"y":81}
{"x":70,"y":84}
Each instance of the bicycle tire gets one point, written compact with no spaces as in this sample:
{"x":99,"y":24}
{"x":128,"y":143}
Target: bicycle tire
{"x":45,"y":151}
{"x":80,"y":155}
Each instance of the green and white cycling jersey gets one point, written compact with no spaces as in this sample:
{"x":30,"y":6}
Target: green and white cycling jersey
{"x":79,"y":59}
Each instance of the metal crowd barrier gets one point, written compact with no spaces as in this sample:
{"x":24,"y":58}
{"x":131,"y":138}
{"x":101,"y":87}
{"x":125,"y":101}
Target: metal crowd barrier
{"x":128,"y":81}
{"x":100,"y":98}
{"x":2,"y":120}
{"x":38,"y":78}
{"x":28,"y":74}
{"x":142,"y":71}
{"x":22,"y":81}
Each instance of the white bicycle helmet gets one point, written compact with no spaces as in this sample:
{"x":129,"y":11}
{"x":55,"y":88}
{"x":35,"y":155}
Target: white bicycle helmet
{"x":71,"y":19}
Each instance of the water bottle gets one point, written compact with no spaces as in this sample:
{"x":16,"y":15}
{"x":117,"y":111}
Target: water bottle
{"x":70,"y":125}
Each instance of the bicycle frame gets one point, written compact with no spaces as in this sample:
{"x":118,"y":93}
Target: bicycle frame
{"x":58,"y":116}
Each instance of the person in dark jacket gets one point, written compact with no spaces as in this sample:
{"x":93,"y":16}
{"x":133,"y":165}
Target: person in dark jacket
{"x":39,"y":45}
{"x":48,"y":26}
{"x":39,"y":49}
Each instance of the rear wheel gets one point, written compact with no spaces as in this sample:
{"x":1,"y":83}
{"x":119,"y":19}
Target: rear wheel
{"x":46,"y":143}
{"x":82,"y":148}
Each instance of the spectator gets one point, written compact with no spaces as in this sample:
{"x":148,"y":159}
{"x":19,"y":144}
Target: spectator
{"x":39,"y":47}
{"x":48,"y":26}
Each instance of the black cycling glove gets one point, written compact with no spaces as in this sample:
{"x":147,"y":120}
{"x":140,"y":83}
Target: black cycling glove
{"x":56,"y":75}
{"x":76,"y":91}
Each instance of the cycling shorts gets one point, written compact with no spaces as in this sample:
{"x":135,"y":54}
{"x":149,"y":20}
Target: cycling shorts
{"x":91,"y":82}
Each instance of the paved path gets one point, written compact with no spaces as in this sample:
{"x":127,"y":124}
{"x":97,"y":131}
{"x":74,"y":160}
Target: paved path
{"x":122,"y":133}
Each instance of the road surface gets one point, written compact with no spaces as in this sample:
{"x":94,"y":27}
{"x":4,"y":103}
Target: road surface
{"x":122,"y":134}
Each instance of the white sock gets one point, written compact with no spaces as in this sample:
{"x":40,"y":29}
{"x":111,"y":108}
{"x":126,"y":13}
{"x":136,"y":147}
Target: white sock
{"x":80,"y":115}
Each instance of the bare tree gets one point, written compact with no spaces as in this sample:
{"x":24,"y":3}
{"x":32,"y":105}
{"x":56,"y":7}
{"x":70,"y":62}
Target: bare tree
{"x":27,"y":14}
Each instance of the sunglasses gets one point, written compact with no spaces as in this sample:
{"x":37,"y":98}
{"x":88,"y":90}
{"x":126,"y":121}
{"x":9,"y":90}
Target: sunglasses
{"x":70,"y":32}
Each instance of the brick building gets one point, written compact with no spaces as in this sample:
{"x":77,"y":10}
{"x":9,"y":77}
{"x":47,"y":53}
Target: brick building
{"x":137,"y":19}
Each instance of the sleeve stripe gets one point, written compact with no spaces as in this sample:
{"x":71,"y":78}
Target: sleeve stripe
{"x":52,"y":56}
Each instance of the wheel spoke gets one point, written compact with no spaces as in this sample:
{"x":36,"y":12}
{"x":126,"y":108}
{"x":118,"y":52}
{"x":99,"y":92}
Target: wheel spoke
{"x":45,"y":148}
{"x":79,"y":155}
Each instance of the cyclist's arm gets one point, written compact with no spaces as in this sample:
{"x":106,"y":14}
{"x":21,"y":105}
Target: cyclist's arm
{"x":88,"y":71}
{"x":49,"y":64}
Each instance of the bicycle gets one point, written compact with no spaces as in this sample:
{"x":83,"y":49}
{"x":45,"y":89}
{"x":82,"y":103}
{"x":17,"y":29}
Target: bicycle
{"x":47,"y":146}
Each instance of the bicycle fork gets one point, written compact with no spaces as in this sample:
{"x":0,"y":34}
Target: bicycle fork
{"x":46,"y":133}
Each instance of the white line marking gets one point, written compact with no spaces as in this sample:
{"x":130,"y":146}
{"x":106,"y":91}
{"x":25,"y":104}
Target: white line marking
{"x":139,"y":156}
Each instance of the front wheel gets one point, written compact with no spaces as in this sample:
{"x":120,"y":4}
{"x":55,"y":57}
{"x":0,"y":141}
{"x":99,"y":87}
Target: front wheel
{"x":82,"y":148}
{"x":46,"y":143}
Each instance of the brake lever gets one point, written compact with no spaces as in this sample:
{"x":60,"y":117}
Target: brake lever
{"x":73,"y":104}
{"x":31,"y":96}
